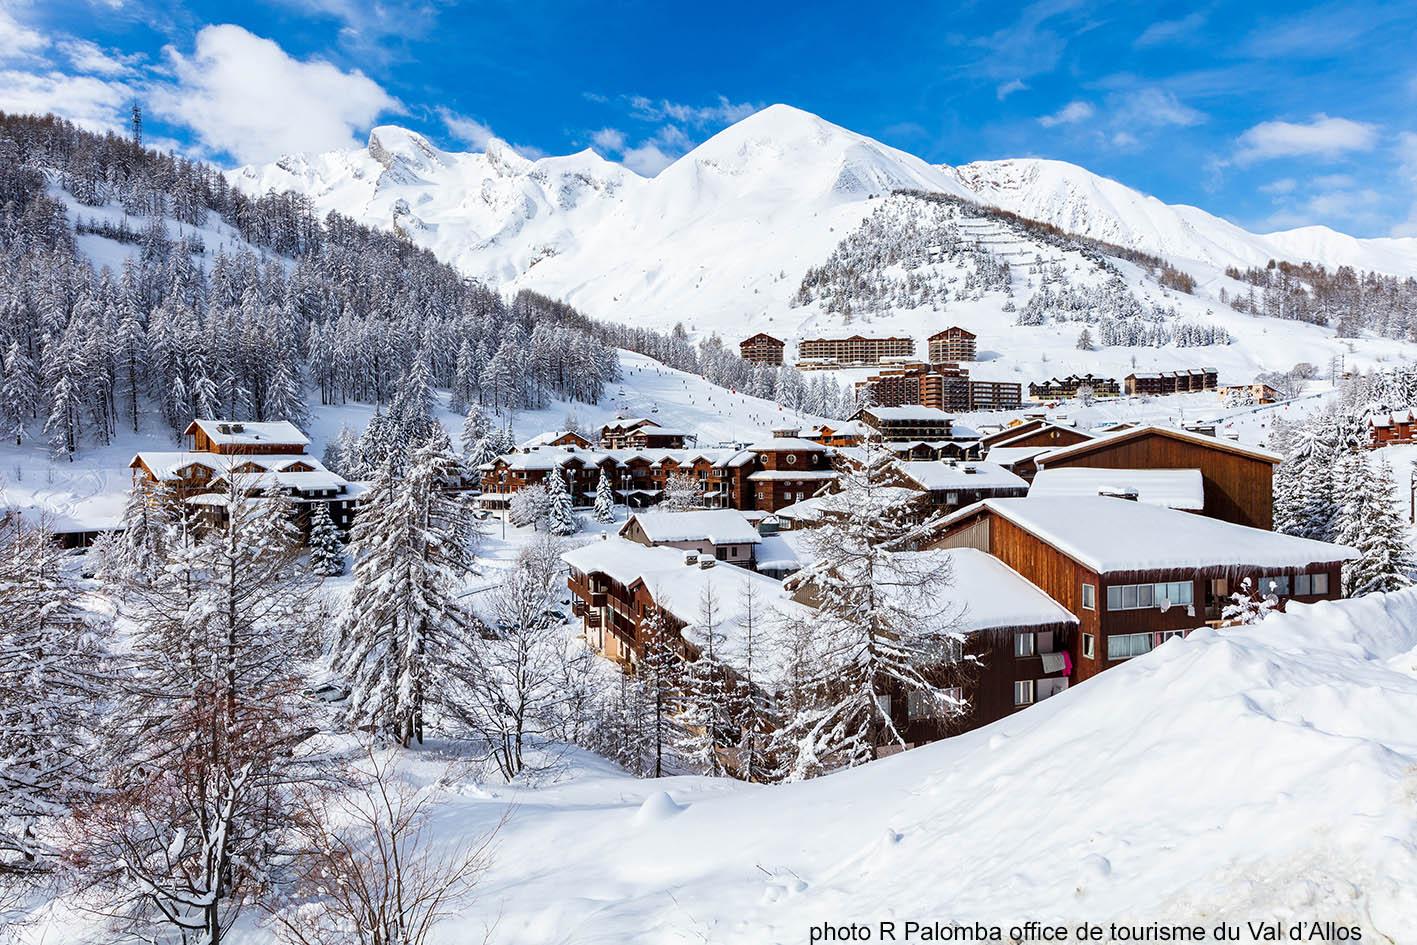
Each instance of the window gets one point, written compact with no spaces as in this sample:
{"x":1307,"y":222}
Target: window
{"x":1089,"y":646}
{"x":1147,"y":596}
{"x":1023,"y":644}
{"x":1023,"y":692}
{"x":1123,"y":646}
{"x":1089,"y":597}
{"x":1276,"y":584}
{"x":792,"y":459}
{"x":927,"y":705}
{"x":1307,"y":585}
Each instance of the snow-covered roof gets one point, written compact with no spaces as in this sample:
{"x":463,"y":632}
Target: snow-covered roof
{"x":1172,"y":488}
{"x":630,"y":423}
{"x":720,"y":526}
{"x":679,"y":588}
{"x":908,"y":412}
{"x":1013,"y":455}
{"x":783,"y":474}
{"x":1108,"y":534}
{"x":246,"y":432}
{"x":995,"y":596}
{"x":784,"y":444}
{"x":976,"y":476}
{"x":1039,"y":428}
{"x":882,"y":498}
{"x":1121,"y":436}
{"x":167,"y":464}
{"x":549,"y":457}
{"x":549,"y":437}
{"x":304,"y":481}
{"x":780,"y":552}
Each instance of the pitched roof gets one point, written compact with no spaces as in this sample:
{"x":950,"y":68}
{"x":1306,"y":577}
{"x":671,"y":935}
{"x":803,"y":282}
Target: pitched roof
{"x":1039,"y":428}
{"x":1172,"y":488}
{"x":982,"y":477}
{"x":1122,"y":436}
{"x":1116,"y":535}
{"x":249,"y":433}
{"x":720,"y":526}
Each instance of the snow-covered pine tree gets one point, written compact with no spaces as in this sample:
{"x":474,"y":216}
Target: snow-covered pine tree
{"x":53,"y":682}
{"x":682,"y":492}
{"x":604,"y":511}
{"x":882,"y":632}
{"x":560,"y":519}
{"x":414,"y":548}
{"x":18,"y":394}
{"x":326,"y":548}
{"x":753,"y":703}
{"x":1368,"y":520}
{"x":1085,"y":342}
{"x":148,"y":519}
{"x":660,"y":674}
{"x":475,"y":428}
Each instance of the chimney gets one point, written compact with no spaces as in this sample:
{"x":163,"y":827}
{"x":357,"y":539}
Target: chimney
{"x":691,"y":558}
{"x":705,"y":563}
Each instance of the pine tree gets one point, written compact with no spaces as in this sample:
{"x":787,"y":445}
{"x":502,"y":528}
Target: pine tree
{"x":475,"y":428}
{"x":1085,"y":341}
{"x":414,"y":546}
{"x":560,"y":519}
{"x":19,"y":394}
{"x":709,"y":712}
{"x":1368,"y":520}
{"x":660,"y":674}
{"x":604,"y":499}
{"x":326,"y":549}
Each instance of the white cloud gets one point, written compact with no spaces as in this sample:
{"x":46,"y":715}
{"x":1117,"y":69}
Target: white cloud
{"x":1285,"y":185}
{"x":1010,"y":87}
{"x":1125,"y":141}
{"x":244,"y":96}
{"x":647,"y":160}
{"x":465,"y":129}
{"x":1165,"y":31}
{"x":608,"y":140}
{"x":92,"y":59}
{"x":16,"y":39}
{"x":1069,"y":114}
{"x":93,"y":103}
{"x":1153,"y":106}
{"x":724,"y":112}
{"x":1322,"y":137}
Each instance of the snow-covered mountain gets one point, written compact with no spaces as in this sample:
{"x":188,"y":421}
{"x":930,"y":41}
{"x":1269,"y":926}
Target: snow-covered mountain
{"x":1079,"y":201}
{"x":722,"y":238}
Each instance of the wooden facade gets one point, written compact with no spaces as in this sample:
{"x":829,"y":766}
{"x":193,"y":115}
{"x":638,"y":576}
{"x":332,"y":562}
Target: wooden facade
{"x":1043,"y":434}
{"x":1392,"y":429}
{"x":1172,"y":382}
{"x":952,"y":344}
{"x":1085,"y":592}
{"x":762,"y":348}
{"x":1239,"y":481}
{"x":857,"y":349}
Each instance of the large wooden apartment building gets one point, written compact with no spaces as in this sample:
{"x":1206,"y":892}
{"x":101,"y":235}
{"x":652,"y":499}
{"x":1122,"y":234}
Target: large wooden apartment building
{"x":640,"y":433}
{"x":942,"y":386}
{"x":1172,"y":382}
{"x":856,"y":350}
{"x":1136,"y":574}
{"x":762,"y":348}
{"x":952,"y":344}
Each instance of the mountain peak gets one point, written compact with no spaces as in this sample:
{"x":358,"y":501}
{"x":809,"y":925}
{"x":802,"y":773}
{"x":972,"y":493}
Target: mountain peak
{"x":391,"y":144}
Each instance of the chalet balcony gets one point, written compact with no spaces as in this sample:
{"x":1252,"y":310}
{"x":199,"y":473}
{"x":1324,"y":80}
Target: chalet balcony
{"x":592,"y":620}
{"x":597,"y":598}
{"x":578,"y":607}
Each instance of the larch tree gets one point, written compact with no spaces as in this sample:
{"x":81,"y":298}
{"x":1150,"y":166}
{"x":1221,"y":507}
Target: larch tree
{"x":883,"y":630}
{"x":709,"y":712}
{"x":18,"y":393}
{"x":211,"y":745}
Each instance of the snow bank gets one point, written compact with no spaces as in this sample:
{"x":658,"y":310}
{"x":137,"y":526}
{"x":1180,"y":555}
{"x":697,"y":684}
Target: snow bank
{"x":1243,"y":774}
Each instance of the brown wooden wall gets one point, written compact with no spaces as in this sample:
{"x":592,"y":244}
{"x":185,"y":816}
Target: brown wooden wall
{"x":1050,"y":436}
{"x":1238,"y":488}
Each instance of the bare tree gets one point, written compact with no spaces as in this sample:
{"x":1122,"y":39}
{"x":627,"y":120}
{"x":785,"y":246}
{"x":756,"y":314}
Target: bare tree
{"x":371,"y":870}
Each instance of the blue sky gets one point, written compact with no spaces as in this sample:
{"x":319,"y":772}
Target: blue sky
{"x":1274,"y":115}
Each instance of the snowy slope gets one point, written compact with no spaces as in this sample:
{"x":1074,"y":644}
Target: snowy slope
{"x":1079,"y":201}
{"x":1113,"y":800}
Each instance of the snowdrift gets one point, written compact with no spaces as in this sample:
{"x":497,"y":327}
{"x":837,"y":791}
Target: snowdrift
{"x":1263,"y":773}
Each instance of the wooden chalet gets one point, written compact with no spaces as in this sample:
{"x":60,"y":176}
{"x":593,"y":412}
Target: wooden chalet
{"x":640,"y":433}
{"x":1238,"y":479}
{"x":558,"y":438}
{"x":905,"y":423}
{"x":263,"y":458}
{"x":1135,"y":574}
{"x":1171,"y":382}
{"x":1392,"y":429}
{"x":847,"y":433}
{"x":953,"y":484}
